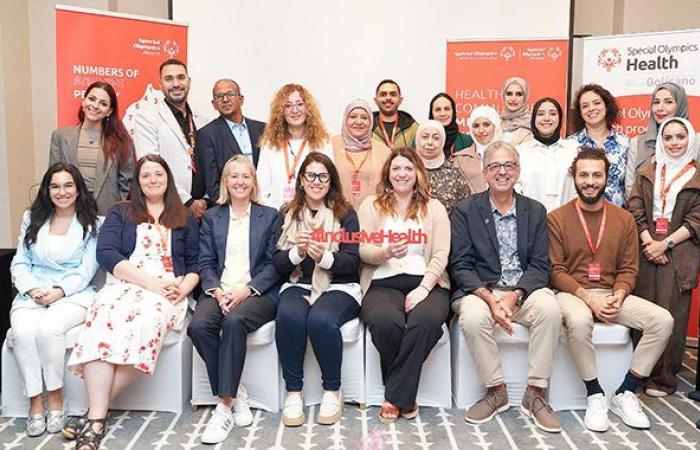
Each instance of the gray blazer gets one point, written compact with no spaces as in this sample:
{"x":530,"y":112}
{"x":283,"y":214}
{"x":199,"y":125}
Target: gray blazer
{"x":111,"y":182}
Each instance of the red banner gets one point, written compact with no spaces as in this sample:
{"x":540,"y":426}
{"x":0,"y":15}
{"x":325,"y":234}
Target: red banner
{"x":476,"y":71}
{"x":124,"y":51}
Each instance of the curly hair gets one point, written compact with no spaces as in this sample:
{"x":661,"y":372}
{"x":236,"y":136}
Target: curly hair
{"x":386,"y":202}
{"x":611,"y":108}
{"x":277,"y":134}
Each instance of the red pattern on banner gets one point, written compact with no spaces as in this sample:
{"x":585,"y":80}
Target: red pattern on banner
{"x":125,"y":52}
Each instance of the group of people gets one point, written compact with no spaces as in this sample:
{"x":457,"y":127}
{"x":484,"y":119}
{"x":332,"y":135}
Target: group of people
{"x":235,"y":206}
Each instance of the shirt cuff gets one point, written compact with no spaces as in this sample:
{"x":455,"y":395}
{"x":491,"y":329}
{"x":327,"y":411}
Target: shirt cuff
{"x":210,"y":292}
{"x":294,"y":257}
{"x":327,"y":260}
{"x":253,"y":290}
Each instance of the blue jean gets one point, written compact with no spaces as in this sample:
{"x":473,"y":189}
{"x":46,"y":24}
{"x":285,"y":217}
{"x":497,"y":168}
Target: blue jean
{"x":296,"y":320}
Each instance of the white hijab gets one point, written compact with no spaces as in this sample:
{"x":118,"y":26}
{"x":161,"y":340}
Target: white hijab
{"x":485,"y":112}
{"x":432,"y":125}
{"x":673,"y":167}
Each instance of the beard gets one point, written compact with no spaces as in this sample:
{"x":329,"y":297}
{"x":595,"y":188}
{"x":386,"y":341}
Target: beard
{"x":589,"y":200}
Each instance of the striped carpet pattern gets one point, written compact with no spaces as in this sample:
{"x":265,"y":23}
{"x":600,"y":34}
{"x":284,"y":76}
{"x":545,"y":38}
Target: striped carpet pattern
{"x":672,"y":427}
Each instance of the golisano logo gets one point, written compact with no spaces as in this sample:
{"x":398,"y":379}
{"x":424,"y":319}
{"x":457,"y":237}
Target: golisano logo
{"x":609,"y":58}
{"x":171,"y":48}
{"x":507,"y":53}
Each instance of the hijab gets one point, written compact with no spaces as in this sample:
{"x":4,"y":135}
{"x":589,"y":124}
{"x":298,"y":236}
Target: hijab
{"x":648,"y":139}
{"x":432,"y":125}
{"x":451,"y":130}
{"x":673,"y":166}
{"x":535,"y":132}
{"x":512,"y":120}
{"x":352,"y":143}
{"x":485,"y":112}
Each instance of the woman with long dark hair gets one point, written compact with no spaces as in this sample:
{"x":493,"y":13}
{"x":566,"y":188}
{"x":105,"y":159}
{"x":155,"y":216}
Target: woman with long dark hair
{"x":99,"y":146}
{"x":321,"y":289}
{"x":149,"y":246}
{"x":52,"y":270}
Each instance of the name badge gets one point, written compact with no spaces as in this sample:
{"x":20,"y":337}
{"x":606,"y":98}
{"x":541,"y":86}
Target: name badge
{"x":288,"y":193}
{"x":355,"y":186}
{"x":594,"y":272}
{"x":662,"y":225}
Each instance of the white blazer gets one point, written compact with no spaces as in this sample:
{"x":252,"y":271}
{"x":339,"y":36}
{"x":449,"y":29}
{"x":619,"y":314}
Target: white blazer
{"x":154,"y":129}
{"x":72,"y":268}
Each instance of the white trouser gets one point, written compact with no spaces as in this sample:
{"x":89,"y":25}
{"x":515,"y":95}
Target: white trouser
{"x":39,"y":343}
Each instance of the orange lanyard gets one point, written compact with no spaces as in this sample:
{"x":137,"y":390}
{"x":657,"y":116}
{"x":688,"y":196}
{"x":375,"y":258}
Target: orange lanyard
{"x":666,"y":188}
{"x":356,"y":170}
{"x":594,"y":250}
{"x":292,"y":171}
{"x":385,"y":136}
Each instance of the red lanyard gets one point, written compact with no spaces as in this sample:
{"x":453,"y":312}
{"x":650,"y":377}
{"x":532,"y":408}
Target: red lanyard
{"x":292,"y":171}
{"x":666,"y":188}
{"x":191,"y":140}
{"x":356,"y":170}
{"x":594,"y":250}
{"x":389,"y":143}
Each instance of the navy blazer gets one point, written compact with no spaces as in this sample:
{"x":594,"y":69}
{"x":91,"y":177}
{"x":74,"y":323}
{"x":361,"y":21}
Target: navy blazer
{"x":264,"y":229}
{"x":216,"y":145}
{"x":474,"y":258}
{"x":117,"y":240}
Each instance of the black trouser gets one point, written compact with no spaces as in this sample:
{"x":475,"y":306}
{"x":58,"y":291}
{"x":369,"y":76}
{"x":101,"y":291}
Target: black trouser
{"x":221,"y":340}
{"x":404,"y":341}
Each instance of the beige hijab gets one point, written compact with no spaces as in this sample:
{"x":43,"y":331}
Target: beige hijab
{"x":323,"y":219}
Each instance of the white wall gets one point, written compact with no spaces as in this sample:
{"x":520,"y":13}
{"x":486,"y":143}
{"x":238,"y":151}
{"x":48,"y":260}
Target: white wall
{"x":340,"y":50}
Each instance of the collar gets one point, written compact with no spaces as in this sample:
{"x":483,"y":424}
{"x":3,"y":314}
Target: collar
{"x":233,"y":216}
{"x":583,"y":136}
{"x":234,"y":125}
{"x":176,"y":112}
{"x":511,"y":211}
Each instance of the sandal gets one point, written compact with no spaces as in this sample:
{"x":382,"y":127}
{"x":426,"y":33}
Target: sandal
{"x":74,"y":426}
{"x":388,"y":413}
{"x":89,"y":438}
{"x":410,"y":413}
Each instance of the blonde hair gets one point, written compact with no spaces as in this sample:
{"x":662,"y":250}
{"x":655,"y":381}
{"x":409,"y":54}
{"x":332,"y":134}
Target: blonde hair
{"x":277,"y":134}
{"x":224,"y":196}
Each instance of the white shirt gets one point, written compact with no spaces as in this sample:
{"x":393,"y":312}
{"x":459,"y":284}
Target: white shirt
{"x":236,"y":271}
{"x":272,"y":171}
{"x":414,"y":261}
{"x":544,"y":172}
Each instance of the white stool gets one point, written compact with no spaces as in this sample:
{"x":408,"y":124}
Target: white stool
{"x":352,"y":379}
{"x":260,"y":373}
{"x":167,"y":390}
{"x":467,"y":387}
{"x":434,"y":385}
{"x":613,"y":351}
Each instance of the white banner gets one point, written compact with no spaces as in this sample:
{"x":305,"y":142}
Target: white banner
{"x":632,"y":65}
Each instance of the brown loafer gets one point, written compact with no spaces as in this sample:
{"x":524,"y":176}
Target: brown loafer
{"x":536,"y":407}
{"x":494,"y":402}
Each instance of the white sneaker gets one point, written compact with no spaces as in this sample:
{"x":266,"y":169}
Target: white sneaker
{"x":218,"y":427}
{"x":36,"y":425}
{"x":241,"y":411}
{"x":596,"y":418}
{"x":54,"y":421}
{"x":331,"y":409}
{"x":293,"y":412}
{"x":626,"y":406}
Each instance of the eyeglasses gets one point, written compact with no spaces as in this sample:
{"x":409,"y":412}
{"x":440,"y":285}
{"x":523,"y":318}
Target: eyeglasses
{"x":226,"y":96}
{"x":496,"y":167}
{"x":322,"y":177}
{"x":291,"y":106}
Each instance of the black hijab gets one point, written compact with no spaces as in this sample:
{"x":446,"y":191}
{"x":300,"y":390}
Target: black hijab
{"x":535,"y":132}
{"x":451,"y":130}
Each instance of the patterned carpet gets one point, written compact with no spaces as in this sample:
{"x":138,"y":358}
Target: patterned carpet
{"x":673,"y":427}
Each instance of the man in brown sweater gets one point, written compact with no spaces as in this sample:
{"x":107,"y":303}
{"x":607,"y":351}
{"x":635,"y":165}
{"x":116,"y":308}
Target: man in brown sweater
{"x":593,"y":250}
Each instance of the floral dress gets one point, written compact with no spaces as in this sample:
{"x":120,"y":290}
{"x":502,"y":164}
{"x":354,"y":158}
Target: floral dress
{"x":127,"y":323}
{"x":617,"y":150}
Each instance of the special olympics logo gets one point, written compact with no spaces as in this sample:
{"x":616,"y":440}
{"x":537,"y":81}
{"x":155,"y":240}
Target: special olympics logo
{"x":554,"y":53}
{"x":507,"y":53}
{"x":171,"y":48}
{"x":609,"y":58}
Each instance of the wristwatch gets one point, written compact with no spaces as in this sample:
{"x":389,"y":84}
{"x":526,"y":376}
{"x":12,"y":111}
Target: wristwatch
{"x":670,"y":244}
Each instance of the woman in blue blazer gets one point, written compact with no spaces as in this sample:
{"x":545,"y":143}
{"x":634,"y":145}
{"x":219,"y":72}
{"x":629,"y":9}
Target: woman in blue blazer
{"x":237,"y":240}
{"x":149,"y":247}
{"x":52,"y":269}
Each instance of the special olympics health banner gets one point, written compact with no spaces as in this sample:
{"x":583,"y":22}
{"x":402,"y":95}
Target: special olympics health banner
{"x":124,"y":50}
{"x":476,"y":70}
{"x":630,"y":66}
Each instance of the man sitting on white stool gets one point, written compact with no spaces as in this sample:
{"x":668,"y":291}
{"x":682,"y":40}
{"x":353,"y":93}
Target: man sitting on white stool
{"x":499,"y":271}
{"x":594,"y":252}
